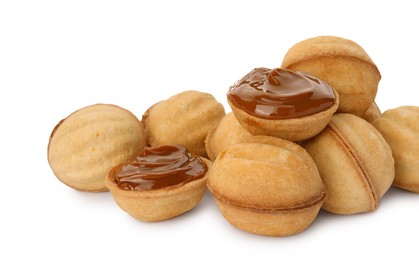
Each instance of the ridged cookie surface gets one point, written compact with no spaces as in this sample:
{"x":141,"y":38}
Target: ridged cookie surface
{"x":184,"y":119}
{"x":267,"y":186}
{"x":355,"y":163}
{"x":227,"y":132}
{"x":400,"y":127}
{"x":87,"y":144}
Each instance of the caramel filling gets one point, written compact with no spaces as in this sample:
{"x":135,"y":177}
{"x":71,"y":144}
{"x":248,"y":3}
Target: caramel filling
{"x":161,"y":167}
{"x":280,"y":94}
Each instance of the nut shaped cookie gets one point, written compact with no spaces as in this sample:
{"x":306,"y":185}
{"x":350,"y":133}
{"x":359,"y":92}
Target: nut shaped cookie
{"x":343,"y":64}
{"x":282,"y":103}
{"x":87,"y":144}
{"x":372,"y":113}
{"x":267,"y":186}
{"x":184,"y":119}
{"x":160,"y":204}
{"x":400,"y":128}
{"x":355,"y":164}
{"x":294,"y":129}
{"x":227,"y":132}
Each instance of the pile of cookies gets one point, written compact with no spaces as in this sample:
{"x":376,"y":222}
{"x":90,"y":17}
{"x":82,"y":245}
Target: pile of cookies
{"x":305,"y":136}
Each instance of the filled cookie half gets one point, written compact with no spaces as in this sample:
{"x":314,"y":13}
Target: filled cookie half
{"x":282,"y":103}
{"x":161,"y":183}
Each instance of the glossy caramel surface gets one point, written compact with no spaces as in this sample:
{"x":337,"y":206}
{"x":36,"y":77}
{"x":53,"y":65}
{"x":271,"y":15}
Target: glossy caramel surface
{"x":161,"y":167}
{"x":280,"y":94}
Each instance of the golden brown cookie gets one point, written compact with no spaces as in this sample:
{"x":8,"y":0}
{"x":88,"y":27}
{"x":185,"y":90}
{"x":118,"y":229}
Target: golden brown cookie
{"x":227,"y":132}
{"x":343,"y":64}
{"x":161,"y":183}
{"x":267,"y":186}
{"x":400,"y":128}
{"x":84,"y":146}
{"x":282,"y":103}
{"x":372,"y":113}
{"x":184,"y":119}
{"x":355,"y":163}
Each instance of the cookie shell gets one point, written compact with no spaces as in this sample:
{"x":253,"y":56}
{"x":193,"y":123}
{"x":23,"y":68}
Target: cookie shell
{"x":294,"y":129}
{"x":184,"y":119}
{"x":355,"y":163}
{"x":160,"y":204}
{"x":372,"y":113}
{"x":267,"y":186}
{"x":343,"y":64}
{"x":84,"y":146}
{"x":227,"y":132}
{"x":400,"y":128}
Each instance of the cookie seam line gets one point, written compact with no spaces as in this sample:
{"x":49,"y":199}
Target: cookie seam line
{"x":272,"y":210}
{"x":358,"y":161}
{"x":334,"y":55}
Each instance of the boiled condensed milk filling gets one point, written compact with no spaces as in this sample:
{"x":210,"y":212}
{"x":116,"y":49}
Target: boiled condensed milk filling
{"x":280,"y":94}
{"x":161,"y":167}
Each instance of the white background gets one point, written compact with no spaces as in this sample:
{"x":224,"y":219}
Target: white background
{"x":59,"y":56}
